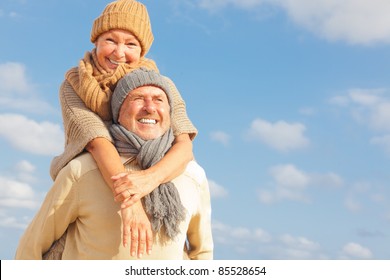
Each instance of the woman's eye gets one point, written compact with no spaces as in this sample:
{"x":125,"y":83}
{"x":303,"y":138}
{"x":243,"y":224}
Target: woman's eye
{"x":131,"y":44}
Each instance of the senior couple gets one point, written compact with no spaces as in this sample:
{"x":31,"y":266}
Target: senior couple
{"x":80,"y":203}
{"x":94,"y":208}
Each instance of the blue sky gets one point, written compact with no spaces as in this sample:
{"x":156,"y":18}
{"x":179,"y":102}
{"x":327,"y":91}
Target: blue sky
{"x":291,"y":99}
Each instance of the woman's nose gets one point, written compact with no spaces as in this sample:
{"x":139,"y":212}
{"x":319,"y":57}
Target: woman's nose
{"x":119,"y":51}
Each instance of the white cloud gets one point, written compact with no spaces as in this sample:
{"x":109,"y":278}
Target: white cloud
{"x":356,"y":251}
{"x":298,"y":247}
{"x":290,"y":183}
{"x":352,"y":204}
{"x":226,"y":234}
{"x":258,"y":243}
{"x":17,"y":194}
{"x":289,"y":176}
{"x":18,"y":93}
{"x":282,"y":136}
{"x":328,"y":180}
{"x":220,"y":4}
{"x":25,"y":166}
{"x":352,"y":21}
{"x":307,"y":111}
{"x":28,"y":104}
{"x":13,"y":79}
{"x":366,"y":97}
{"x":380,"y":116}
{"x":11,"y":222}
{"x":221,"y":137}
{"x":371,"y":108}
{"x":216,"y":190}
{"x":382,"y":141}
{"x":25,"y":171}
{"x":42,"y":138}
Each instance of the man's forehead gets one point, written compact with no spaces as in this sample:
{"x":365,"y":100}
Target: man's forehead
{"x":147,"y":90}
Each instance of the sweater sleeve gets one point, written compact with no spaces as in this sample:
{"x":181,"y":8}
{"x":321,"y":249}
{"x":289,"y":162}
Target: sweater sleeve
{"x":58,"y":210}
{"x":81,"y":125}
{"x":180,"y":121}
{"x":199,"y":233}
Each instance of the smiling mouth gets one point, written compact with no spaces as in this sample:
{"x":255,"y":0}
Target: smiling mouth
{"x":116,"y":62}
{"x":147,"y":121}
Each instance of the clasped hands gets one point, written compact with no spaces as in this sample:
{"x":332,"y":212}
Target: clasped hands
{"x":128,"y":189}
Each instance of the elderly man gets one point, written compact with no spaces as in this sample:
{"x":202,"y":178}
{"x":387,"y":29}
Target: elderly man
{"x":81,"y":204}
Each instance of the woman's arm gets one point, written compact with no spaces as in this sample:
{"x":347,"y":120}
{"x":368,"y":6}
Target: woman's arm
{"x":174,"y":162}
{"x":81,"y":126}
{"x":84,"y":130}
{"x":106,"y":157}
{"x":142,"y":182}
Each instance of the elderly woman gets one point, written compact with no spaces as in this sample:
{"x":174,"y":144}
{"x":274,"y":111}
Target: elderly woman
{"x":122,"y":37}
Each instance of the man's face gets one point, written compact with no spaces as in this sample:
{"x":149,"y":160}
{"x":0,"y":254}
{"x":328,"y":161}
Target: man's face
{"x":146,"y":112}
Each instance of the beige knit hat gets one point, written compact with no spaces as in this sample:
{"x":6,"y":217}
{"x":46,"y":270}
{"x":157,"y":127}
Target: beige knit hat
{"x":128,"y":15}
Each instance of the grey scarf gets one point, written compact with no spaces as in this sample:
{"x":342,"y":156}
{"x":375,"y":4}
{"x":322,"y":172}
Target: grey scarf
{"x":163,"y":204}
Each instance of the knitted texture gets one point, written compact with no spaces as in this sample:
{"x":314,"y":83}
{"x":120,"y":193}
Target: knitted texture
{"x":128,"y":15}
{"x":81,"y":126}
{"x":135,"y":79}
{"x":163,"y":204}
{"x":94,"y":85}
{"x":84,"y":99}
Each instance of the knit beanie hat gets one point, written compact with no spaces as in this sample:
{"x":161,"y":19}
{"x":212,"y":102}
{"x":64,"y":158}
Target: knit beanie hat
{"x":135,"y":79}
{"x":128,"y":15}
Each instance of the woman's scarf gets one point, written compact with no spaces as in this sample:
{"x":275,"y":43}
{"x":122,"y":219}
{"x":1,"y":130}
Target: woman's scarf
{"x":163,"y":204}
{"x":95,"y":86}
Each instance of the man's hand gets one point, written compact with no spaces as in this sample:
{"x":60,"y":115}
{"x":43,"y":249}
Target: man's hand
{"x":137,"y":230}
{"x":130,"y":187}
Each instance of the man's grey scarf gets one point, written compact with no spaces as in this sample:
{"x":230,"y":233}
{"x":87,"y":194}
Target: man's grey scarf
{"x":163,"y":204}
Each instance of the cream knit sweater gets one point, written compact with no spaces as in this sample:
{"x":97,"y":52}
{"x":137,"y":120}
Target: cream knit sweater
{"x":81,"y":203}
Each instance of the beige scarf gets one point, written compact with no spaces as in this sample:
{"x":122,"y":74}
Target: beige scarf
{"x":95,"y":86}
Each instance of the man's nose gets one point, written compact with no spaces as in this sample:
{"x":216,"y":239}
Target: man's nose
{"x":149,"y":106}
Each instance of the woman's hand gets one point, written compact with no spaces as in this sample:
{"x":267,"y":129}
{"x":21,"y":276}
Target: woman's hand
{"x":137,"y":230}
{"x":130,"y":187}
{"x":134,"y":185}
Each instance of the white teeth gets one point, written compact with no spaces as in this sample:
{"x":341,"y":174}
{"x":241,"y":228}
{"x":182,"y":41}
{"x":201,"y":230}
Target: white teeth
{"x":147,"y":121}
{"x":114,"y":62}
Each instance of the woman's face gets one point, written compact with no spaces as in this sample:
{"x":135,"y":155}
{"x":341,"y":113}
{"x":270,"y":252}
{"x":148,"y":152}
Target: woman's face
{"x":115,"y":47}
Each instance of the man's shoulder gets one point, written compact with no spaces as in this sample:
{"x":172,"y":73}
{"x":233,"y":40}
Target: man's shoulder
{"x":195,"y":172}
{"x":79,"y":166}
